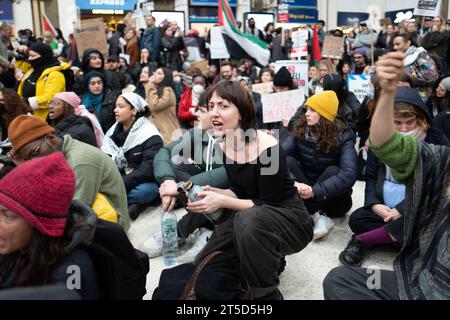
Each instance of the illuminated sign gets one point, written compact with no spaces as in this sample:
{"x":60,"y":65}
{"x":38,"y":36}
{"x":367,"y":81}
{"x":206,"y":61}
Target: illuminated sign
{"x":125,"y":5}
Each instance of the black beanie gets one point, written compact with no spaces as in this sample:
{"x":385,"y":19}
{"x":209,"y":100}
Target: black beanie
{"x":283,"y":78}
{"x":43,"y":49}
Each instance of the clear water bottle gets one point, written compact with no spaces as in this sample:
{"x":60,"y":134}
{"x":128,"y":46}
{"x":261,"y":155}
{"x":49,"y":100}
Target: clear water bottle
{"x":169,"y":238}
{"x":214,"y":216}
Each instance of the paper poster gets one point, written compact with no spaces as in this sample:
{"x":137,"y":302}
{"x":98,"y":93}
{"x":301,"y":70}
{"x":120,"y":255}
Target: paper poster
{"x":298,"y":70}
{"x":359,"y":85}
{"x":430,"y":8}
{"x":282,"y":105}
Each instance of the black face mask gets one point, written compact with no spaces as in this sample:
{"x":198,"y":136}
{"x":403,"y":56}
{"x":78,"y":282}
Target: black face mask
{"x":38,"y":63}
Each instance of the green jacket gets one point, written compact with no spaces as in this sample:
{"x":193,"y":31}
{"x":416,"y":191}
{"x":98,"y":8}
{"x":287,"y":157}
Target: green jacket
{"x":422,"y":266}
{"x":206,"y":155}
{"x":95,"y":172}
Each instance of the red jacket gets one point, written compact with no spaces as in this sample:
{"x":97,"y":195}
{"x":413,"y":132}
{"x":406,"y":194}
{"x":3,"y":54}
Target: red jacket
{"x":184,"y":106}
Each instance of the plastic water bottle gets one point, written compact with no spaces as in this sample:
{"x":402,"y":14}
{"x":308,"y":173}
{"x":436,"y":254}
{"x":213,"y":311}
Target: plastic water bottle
{"x":214,"y":216}
{"x":169,"y":238}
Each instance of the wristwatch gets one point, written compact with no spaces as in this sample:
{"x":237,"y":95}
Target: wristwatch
{"x":183,"y":188}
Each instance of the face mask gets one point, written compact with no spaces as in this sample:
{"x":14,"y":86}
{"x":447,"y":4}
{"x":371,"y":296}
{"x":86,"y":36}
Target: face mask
{"x":197,"y":89}
{"x":417,"y":134}
{"x":177,"y":79}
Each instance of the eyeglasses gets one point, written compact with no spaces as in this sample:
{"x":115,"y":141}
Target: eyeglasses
{"x":93,"y":83}
{"x":54,"y":103}
{"x":35,"y":153}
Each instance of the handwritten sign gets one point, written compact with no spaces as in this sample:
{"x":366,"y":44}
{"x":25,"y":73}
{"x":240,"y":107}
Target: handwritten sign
{"x":359,"y":85}
{"x":91,"y":34}
{"x":263,"y":88}
{"x":281,"y":105}
{"x":300,"y":47}
{"x":333,"y":47}
{"x":298,"y":70}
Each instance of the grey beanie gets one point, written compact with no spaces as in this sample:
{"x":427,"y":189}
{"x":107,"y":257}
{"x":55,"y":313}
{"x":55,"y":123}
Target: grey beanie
{"x":446,"y":83}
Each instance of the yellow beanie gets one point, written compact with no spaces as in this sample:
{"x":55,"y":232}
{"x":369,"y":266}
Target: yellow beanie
{"x":325,"y":103}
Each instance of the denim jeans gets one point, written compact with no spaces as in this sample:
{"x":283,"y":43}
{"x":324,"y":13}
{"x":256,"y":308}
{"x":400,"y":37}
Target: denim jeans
{"x":144,"y":193}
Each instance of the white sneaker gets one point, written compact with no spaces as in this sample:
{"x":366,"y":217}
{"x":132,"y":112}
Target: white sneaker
{"x":153,"y":245}
{"x":322,"y":225}
{"x":198,"y":245}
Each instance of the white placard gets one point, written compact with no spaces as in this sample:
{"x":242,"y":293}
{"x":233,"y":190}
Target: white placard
{"x":429,"y":8}
{"x":298,"y":70}
{"x":217,"y":47}
{"x":282,"y":105}
{"x":359,"y":85}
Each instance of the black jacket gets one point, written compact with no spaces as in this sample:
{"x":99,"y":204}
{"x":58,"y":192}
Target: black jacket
{"x":314,"y":163}
{"x":107,"y":118}
{"x":77,"y":127}
{"x":140,"y":158}
{"x":436,"y":43}
{"x":442,"y":123}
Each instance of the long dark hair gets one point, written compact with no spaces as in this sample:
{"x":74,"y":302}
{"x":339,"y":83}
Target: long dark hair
{"x":336,"y":83}
{"x":14,"y":107}
{"x":167,"y":82}
{"x":326,"y":132}
{"x":36,"y":264}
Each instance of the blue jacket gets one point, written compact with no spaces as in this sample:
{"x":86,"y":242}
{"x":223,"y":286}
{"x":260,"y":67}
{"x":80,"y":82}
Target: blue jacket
{"x":314,"y":163}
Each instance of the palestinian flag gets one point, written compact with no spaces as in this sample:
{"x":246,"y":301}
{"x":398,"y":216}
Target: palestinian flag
{"x":47,"y":25}
{"x":253,"y":47}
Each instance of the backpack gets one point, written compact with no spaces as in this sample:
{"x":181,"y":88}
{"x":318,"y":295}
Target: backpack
{"x":69,"y":76}
{"x":121,"y":269}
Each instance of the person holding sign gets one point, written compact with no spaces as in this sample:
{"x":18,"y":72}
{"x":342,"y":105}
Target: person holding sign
{"x":322,"y":160}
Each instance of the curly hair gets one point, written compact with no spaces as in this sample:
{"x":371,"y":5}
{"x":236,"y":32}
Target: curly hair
{"x":327,"y":134}
{"x":14,"y":106}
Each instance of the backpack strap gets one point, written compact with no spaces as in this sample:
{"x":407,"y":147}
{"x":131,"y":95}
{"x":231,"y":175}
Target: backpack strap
{"x":189,"y":290}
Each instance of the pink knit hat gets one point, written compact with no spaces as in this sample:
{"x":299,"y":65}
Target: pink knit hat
{"x":69,"y":97}
{"x":40,"y":192}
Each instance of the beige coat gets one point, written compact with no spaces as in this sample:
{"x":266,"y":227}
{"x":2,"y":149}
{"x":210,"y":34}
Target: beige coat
{"x":163,"y":112}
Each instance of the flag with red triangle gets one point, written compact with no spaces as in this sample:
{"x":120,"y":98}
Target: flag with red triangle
{"x":47,"y":25}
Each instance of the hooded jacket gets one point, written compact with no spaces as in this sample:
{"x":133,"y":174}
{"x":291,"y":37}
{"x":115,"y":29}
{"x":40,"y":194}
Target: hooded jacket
{"x":195,"y":144}
{"x":51,"y":82}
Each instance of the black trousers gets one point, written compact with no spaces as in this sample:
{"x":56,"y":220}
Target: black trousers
{"x":190,"y":221}
{"x":257,"y":239}
{"x":334,"y":207}
{"x":364,"y":220}
{"x":344,"y":283}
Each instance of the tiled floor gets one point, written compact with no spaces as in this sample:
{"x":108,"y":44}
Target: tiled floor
{"x":305,"y":271}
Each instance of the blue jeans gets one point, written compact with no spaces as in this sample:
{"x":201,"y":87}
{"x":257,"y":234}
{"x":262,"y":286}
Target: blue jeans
{"x":144,"y":193}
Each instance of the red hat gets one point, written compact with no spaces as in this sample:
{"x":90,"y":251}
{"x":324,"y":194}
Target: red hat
{"x":40,"y":191}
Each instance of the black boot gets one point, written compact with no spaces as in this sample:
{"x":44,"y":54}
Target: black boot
{"x":353,"y":254}
{"x":133,"y":211}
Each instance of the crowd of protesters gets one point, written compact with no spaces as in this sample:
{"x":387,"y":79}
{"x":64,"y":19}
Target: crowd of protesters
{"x":112,"y":129}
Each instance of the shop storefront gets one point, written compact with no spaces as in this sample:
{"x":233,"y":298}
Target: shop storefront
{"x":204,"y":13}
{"x":6,"y":12}
{"x":112,"y":11}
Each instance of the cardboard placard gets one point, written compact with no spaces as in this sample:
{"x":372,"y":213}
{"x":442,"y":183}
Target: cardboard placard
{"x":282,"y":105}
{"x":263,"y":88}
{"x":129,"y":21}
{"x":359,"y":85}
{"x":298,"y":70}
{"x":91,"y":34}
{"x":333,"y":47}
{"x":202,"y":65}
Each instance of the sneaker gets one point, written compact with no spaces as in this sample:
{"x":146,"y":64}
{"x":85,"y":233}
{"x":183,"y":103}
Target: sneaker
{"x":153,"y":245}
{"x":353,"y":254}
{"x":322,"y":225}
{"x":199,"y":244}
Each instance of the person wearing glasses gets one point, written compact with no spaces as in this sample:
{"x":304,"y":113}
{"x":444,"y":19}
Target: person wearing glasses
{"x":359,"y":61}
{"x":98,"y":182}
{"x":99,"y":99}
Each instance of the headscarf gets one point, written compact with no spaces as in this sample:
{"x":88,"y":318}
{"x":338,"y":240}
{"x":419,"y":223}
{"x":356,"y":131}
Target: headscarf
{"x":93,"y":103}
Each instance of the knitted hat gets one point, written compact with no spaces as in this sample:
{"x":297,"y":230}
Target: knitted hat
{"x":360,"y":51}
{"x":325,"y":103}
{"x":446,"y":83}
{"x":40,"y":192}
{"x":283,"y":78}
{"x":69,"y":97}
{"x":24,"y":129}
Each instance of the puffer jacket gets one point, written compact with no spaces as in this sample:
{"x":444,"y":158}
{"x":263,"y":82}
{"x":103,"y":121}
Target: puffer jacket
{"x":77,"y":127}
{"x":314,"y":163}
{"x":51,"y":82}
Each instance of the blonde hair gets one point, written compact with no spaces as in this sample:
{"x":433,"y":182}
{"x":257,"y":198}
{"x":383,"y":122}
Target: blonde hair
{"x":329,"y":65}
{"x":443,"y":24}
{"x":405,"y":110}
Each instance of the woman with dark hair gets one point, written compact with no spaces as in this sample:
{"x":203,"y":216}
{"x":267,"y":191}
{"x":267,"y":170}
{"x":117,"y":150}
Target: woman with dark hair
{"x":322,"y":159}
{"x":187,"y":108}
{"x":269,"y":30}
{"x":266,"y":75}
{"x":263,"y":217}
{"x":171,"y":45}
{"x":160,"y":92}
{"x":145,"y":61}
{"x":41,"y":235}
{"x":133,"y":142}
{"x":348,"y":103}
{"x":99,"y":99}
{"x":440,"y":99}
{"x":63,"y":118}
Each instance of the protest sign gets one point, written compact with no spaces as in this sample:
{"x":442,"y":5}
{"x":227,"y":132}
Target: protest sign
{"x":299,"y":47}
{"x":298,"y":70}
{"x":359,"y":85}
{"x":91,"y":34}
{"x":333,"y":47}
{"x":282,"y":105}
{"x":263,"y":88}
{"x":202,"y":65}
{"x":430,"y":8}
{"x":217,"y":47}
